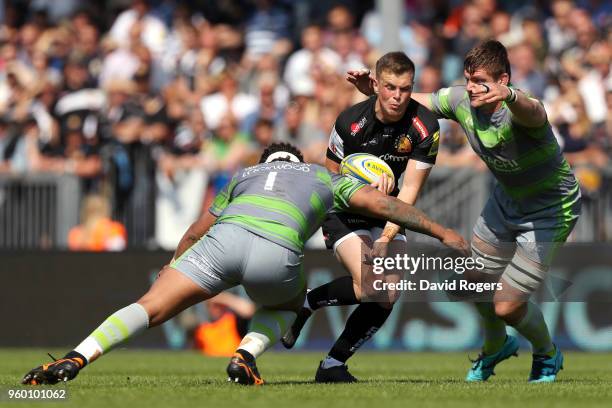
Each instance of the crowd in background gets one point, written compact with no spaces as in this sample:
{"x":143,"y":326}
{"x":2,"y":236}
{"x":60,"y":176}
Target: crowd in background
{"x":159,"y":102}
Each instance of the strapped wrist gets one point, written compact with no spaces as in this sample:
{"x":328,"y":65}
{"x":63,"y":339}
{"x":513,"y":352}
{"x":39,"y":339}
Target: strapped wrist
{"x":512,"y":97}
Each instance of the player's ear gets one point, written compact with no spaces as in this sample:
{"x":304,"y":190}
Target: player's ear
{"x":375,"y":85}
{"x":504,"y":79}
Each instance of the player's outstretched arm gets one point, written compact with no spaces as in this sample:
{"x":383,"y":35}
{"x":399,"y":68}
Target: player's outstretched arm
{"x":372,"y":202}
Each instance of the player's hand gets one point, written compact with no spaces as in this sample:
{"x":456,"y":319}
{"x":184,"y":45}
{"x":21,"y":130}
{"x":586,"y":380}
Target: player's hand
{"x":490,"y":92}
{"x":383,"y":184}
{"x":361,"y":79}
{"x":380,"y":247}
{"x":454,"y":240}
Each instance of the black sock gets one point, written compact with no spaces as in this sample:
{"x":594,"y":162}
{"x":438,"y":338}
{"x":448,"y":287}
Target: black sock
{"x":335,"y":293}
{"x":360,"y":326}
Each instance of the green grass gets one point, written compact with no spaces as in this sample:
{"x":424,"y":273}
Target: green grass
{"x":186,"y":379}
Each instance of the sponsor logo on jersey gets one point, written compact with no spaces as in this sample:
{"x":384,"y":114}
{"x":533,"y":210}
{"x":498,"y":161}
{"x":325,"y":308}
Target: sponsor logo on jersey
{"x":403,"y":144}
{"x":392,"y":158}
{"x":420,"y":127}
{"x":500,"y":164}
{"x":357,"y":126}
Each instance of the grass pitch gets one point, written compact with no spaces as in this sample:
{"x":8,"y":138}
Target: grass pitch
{"x":187,"y":379}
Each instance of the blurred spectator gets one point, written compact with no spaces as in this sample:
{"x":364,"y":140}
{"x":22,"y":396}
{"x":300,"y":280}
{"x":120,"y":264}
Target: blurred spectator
{"x":269,"y":107}
{"x":464,"y":29}
{"x":559,"y":32}
{"x":429,"y":79}
{"x":263,"y":136}
{"x":594,"y":76}
{"x":266,"y":32}
{"x":342,"y":44}
{"x":97,"y":231}
{"x":414,"y":36}
{"x":313,"y":59}
{"x":500,"y":25}
{"x":572,"y":125}
{"x":138,"y":22}
{"x":229,"y":315}
{"x":13,"y":146}
{"x":181,"y":179}
{"x":293,"y":129}
{"x":526,"y":74}
{"x":227,"y":101}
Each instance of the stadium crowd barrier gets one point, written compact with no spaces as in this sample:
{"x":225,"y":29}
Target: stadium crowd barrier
{"x":37,"y":211}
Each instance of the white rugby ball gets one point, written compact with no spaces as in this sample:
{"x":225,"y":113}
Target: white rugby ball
{"x":365,"y":167}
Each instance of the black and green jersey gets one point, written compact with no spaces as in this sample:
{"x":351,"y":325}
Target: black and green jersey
{"x":527,"y":162}
{"x":283,"y":202}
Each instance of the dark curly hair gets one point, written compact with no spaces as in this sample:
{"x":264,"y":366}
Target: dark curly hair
{"x":281,"y":147}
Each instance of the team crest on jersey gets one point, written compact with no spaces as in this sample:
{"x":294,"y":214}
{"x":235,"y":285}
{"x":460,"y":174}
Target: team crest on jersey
{"x":357,"y":126}
{"x":420,"y":127}
{"x":403,"y":144}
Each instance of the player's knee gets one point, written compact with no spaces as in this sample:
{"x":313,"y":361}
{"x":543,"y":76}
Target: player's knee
{"x":387,"y":305}
{"x":359,"y":295}
{"x":508,"y":311}
{"x":152,"y":308}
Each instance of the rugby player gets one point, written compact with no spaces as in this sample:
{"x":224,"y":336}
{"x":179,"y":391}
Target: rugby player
{"x":253,"y":235}
{"x":532,"y":210}
{"x":405,"y":135}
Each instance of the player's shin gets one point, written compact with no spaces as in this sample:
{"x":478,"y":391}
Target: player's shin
{"x":362,"y":324}
{"x":494,"y":328}
{"x":533,"y":327}
{"x":267,"y":327}
{"x":338,"y":292}
{"x":116,"y":329}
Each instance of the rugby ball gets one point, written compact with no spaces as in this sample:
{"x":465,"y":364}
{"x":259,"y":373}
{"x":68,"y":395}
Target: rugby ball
{"x":365,"y":167}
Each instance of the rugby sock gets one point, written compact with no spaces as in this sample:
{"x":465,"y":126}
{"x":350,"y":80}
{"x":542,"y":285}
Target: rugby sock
{"x":533,"y":328}
{"x":494,"y":328}
{"x":116,"y":329}
{"x":335,"y":293}
{"x":267,"y":327}
{"x":365,"y":320}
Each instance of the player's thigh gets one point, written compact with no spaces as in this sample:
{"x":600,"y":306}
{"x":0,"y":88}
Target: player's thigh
{"x":535,"y":251}
{"x":351,"y":252}
{"x":210,"y":266}
{"x":171,"y":293}
{"x":493,"y":243}
{"x":399,"y":246}
{"x":273,"y":276}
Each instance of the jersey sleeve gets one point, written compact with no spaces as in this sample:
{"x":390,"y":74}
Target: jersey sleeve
{"x":444,"y":102}
{"x":343,"y":188}
{"x":223,"y":198}
{"x":335,"y":147}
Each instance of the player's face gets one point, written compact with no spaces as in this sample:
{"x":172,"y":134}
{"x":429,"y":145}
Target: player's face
{"x":474,"y":81}
{"x":394,"y":93}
